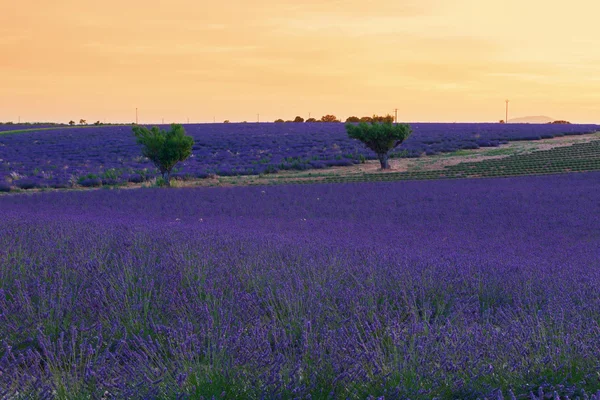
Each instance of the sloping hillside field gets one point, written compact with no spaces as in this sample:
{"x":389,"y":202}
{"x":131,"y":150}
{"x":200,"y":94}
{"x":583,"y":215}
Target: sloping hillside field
{"x":447,"y":289}
{"x":95,"y":156}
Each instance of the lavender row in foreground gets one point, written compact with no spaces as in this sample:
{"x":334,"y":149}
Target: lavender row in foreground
{"x":451,"y":289}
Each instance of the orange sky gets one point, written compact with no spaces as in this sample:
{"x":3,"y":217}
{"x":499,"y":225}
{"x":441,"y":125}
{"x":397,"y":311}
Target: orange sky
{"x":434,"y":60}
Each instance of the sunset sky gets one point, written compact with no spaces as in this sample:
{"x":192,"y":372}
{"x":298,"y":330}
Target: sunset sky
{"x":434,"y":60}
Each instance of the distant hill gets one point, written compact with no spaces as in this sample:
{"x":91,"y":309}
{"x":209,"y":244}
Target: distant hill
{"x":540,"y":119}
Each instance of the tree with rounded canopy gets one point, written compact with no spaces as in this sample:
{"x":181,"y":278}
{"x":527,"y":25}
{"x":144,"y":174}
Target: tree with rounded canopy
{"x":279,"y":121}
{"x":383,"y":118}
{"x":311,"y":120}
{"x":164,"y":148}
{"x":352,"y":119}
{"x":298,"y":119}
{"x":329,"y":118}
{"x":380,"y":137}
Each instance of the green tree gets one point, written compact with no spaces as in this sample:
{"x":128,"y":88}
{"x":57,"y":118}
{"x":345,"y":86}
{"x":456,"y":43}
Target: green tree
{"x":352,"y":119}
{"x":311,"y":120}
{"x":329,"y":118}
{"x":380,"y":137}
{"x":164,"y":148}
{"x":71,"y":122}
{"x":279,"y":121}
{"x":83,"y":121}
{"x":298,"y":119}
{"x":382,"y":118}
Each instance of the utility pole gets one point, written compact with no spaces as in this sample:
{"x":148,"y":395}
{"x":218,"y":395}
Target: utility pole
{"x":309,"y":115}
{"x":395,"y":115}
{"x":136,"y":116}
{"x":506,"y":120}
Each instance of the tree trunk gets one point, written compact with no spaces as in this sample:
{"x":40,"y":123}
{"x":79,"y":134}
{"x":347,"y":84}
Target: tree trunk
{"x":167,"y":178}
{"x":383,"y":159}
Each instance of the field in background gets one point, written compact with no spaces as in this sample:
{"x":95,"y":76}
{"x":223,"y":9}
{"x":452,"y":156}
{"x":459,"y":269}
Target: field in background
{"x":447,"y":289}
{"x":540,"y":157}
{"x":97,"y":156}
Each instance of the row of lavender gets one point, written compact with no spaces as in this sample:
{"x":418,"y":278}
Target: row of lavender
{"x":448,"y":289}
{"x":109,"y":155}
{"x":17,"y":127}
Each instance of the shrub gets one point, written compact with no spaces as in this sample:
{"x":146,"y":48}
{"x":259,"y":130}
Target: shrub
{"x":91,"y":182}
{"x":135,"y":178}
{"x":109,"y":181}
{"x":26,"y":183}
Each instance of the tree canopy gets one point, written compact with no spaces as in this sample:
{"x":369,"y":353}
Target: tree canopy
{"x":329,"y":118}
{"x":164,"y":148}
{"x":381,"y":137}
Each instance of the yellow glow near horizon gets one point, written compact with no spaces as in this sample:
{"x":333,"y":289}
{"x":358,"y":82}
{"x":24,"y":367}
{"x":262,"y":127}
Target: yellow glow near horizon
{"x":434,"y":60}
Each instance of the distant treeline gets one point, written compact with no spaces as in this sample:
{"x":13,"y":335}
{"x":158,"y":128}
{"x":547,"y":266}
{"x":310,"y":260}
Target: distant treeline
{"x":333,"y":118}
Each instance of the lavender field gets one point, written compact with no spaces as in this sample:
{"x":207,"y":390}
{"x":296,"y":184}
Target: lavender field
{"x":17,"y":127}
{"x":441,"y":289}
{"x":93,"y":156}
